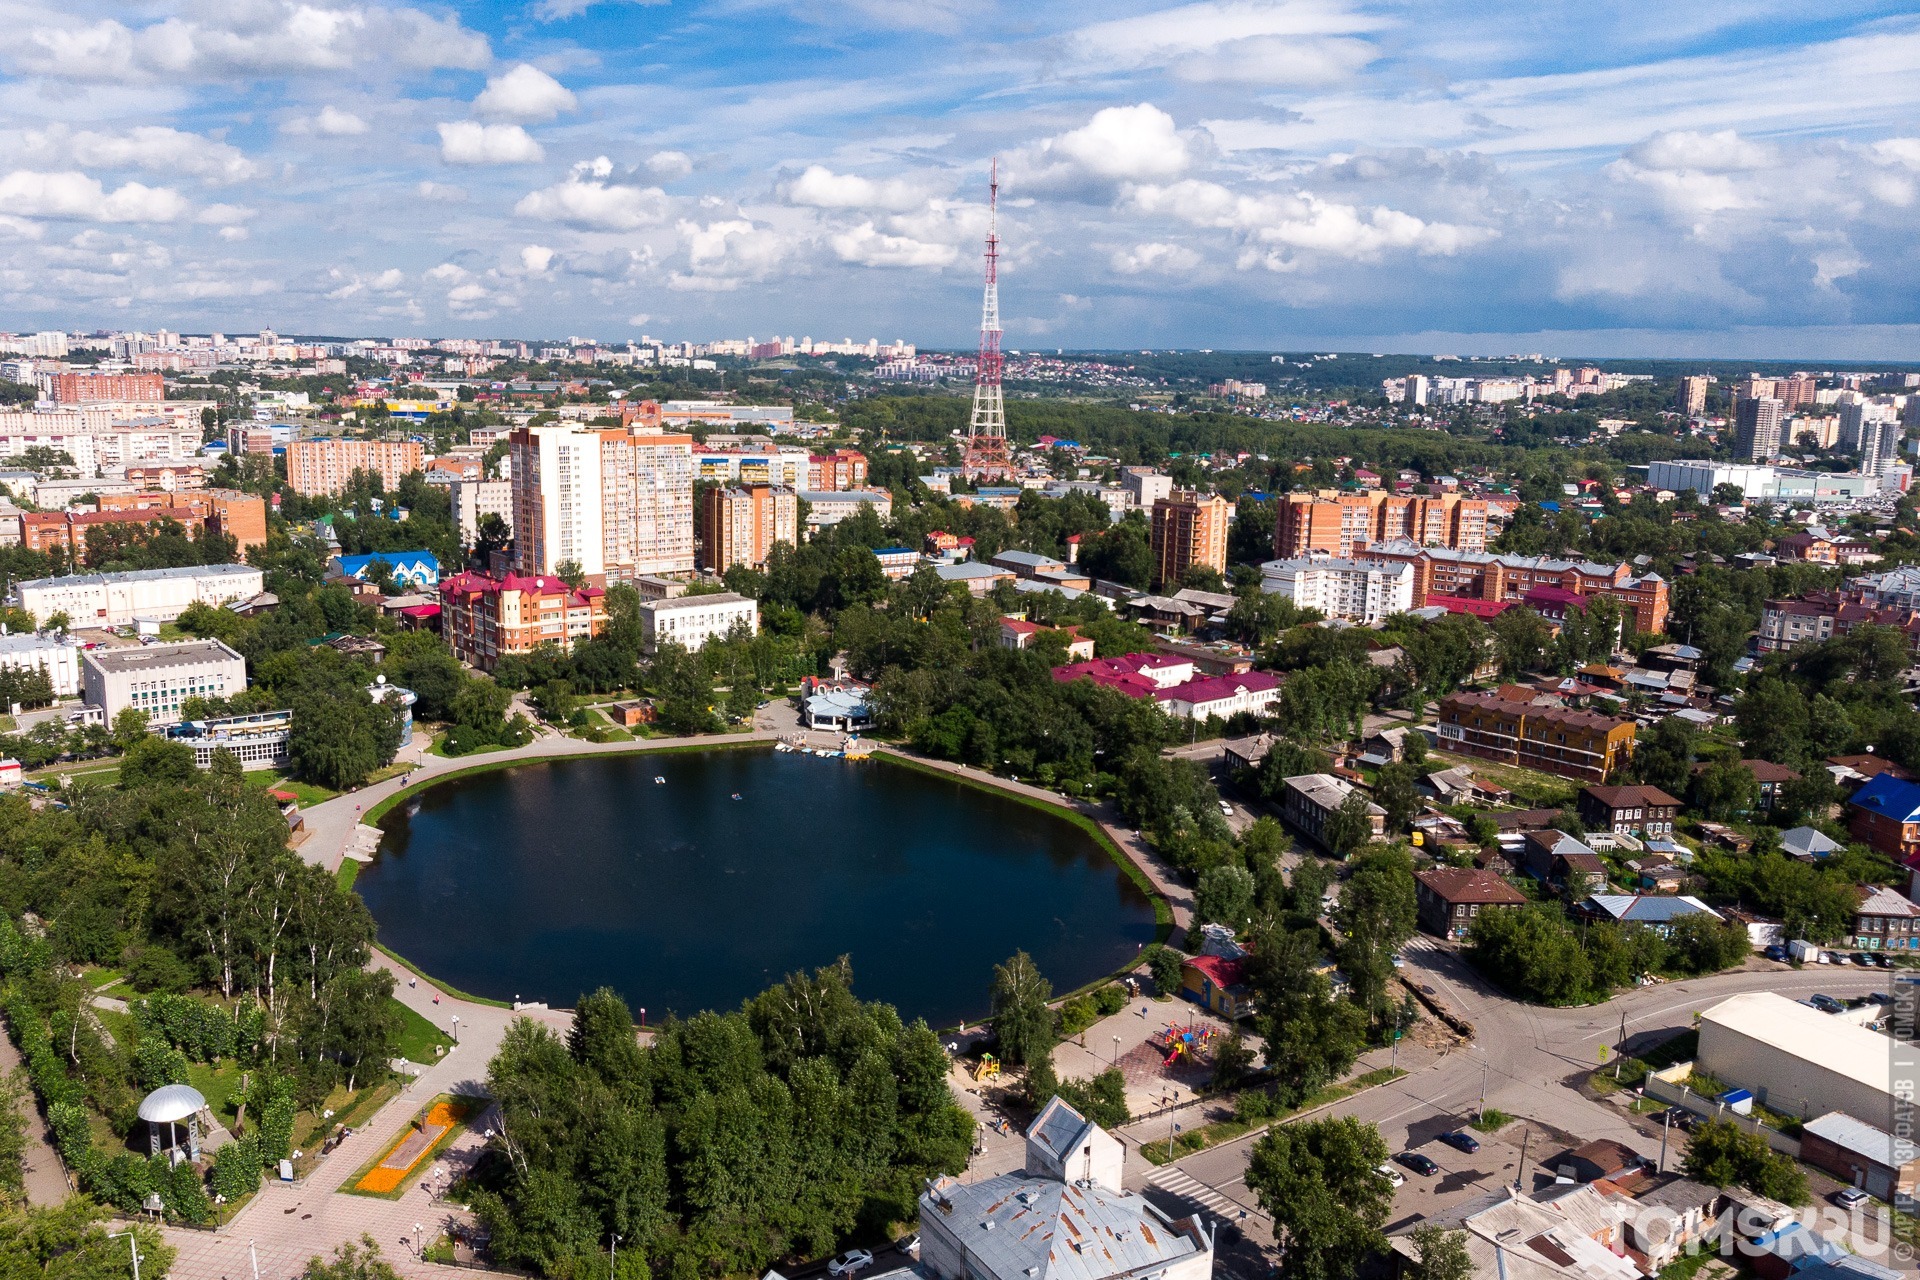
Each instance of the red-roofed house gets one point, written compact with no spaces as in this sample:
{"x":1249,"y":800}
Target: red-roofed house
{"x":1018,"y":633}
{"x":1466,"y":604}
{"x":485,"y":618}
{"x":1218,"y":985}
{"x":1175,"y":684}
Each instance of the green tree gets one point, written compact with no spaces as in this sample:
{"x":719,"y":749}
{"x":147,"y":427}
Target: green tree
{"x":1442,"y":1254}
{"x":351,"y":1261}
{"x":1166,"y":966}
{"x":1225,"y":894}
{"x":1532,"y":953}
{"x":1319,"y":1183}
{"x":1722,"y":1154}
{"x":1394,"y":791}
{"x":129,"y":727}
{"x":1017,"y":1002}
{"x":1351,"y":825}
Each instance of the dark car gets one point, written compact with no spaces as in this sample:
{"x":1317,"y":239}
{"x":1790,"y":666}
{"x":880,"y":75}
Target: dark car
{"x":1422,"y":1165}
{"x":1862,"y":959}
{"x":1825,"y":1003}
{"x":1776,"y":952}
{"x":1461,"y":1140}
{"x":1884,"y":960}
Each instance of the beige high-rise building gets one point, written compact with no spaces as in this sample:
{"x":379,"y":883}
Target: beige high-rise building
{"x":1692,"y":399}
{"x":740,"y":523}
{"x":1189,"y":528}
{"x":318,"y":468}
{"x":616,"y":501}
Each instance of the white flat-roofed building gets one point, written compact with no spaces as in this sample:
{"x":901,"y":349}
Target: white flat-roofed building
{"x":1362,"y":591}
{"x":57,"y":655}
{"x":158,"y":678}
{"x":1797,"y":1060}
{"x":691,"y":621}
{"x":831,"y":507}
{"x":1755,"y":481}
{"x":257,"y":741}
{"x":475,"y":498}
{"x":116,"y":599}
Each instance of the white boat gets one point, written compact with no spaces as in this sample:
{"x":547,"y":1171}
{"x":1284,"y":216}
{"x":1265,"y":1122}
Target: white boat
{"x":659,"y":779}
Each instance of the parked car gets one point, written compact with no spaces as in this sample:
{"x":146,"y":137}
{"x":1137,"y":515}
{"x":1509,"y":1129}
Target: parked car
{"x":1825,"y":1004}
{"x":1461,"y":1140}
{"x":1776,"y":952}
{"x":1850,"y":1198}
{"x":1862,"y":959}
{"x":1399,"y":961}
{"x":1226,"y":808}
{"x":909,"y":1246}
{"x":1884,"y":960}
{"x":849,"y":1262}
{"x":1394,"y":1177}
{"x":1831,"y":957}
{"x":1422,"y":1165}
{"x":1880,"y":998}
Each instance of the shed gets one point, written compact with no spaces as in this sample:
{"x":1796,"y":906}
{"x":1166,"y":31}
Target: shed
{"x":1861,"y":1155}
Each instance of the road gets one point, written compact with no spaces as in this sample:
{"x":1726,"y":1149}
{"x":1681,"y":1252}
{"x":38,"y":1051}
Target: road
{"x":1530,"y":1061}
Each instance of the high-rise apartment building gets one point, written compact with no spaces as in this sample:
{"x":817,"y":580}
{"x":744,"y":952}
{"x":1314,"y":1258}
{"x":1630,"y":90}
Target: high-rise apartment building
{"x":1795,"y":391}
{"x":740,"y":523}
{"x":1871,"y":428}
{"x":86,"y":388}
{"x":317,"y":468}
{"x":1343,"y":524}
{"x":1692,"y":400}
{"x":1757,"y":428}
{"x":841,"y":469}
{"x":1189,"y":528}
{"x":616,"y":501}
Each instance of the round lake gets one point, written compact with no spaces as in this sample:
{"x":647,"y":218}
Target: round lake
{"x":545,"y":881}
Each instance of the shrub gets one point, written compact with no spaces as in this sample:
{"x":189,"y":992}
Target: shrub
{"x":1110,"y":999}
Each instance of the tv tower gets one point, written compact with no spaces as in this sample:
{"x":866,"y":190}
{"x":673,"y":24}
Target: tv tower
{"x":987,"y":457}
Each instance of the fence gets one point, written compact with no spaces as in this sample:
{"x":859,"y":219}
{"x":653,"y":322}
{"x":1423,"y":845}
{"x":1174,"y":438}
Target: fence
{"x":1670,"y":1086}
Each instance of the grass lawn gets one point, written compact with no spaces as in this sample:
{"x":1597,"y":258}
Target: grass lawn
{"x":92,"y":770}
{"x":305,"y":792}
{"x":371,"y":1180}
{"x":1219,"y":1131}
{"x":217,"y":1085}
{"x":395,"y":770}
{"x":1530,"y":785}
{"x":419,"y":1037}
{"x":119,"y":1025}
{"x":100,"y":977}
{"x":439,"y":748}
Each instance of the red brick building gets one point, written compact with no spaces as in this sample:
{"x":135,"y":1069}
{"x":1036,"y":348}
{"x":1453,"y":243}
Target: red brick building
{"x":85,"y":388}
{"x":484,"y":619}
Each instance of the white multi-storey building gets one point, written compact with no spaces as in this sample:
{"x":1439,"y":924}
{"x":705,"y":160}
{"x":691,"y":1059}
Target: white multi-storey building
{"x":158,"y":678}
{"x":615,"y":501}
{"x":691,"y":621}
{"x":57,"y":655}
{"x":1362,"y":591}
{"x":473,"y":499}
{"x":116,"y":599}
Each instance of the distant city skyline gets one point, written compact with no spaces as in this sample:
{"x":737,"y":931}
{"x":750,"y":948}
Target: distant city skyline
{"x":1732,"y":180}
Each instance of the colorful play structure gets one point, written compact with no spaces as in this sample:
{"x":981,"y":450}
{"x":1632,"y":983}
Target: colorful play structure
{"x":1194,"y":1041}
{"x":989,"y":1068}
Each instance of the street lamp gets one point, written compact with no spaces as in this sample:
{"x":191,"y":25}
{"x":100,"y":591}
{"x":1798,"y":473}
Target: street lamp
{"x":419,"y":1249}
{"x":1116,"y":1051}
{"x":456,"y":1028}
{"x":613,"y":1251}
{"x":134,"y":1244}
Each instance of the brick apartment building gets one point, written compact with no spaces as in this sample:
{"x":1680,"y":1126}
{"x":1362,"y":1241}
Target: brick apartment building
{"x":317,"y":468}
{"x":1343,"y":524}
{"x":841,"y":469}
{"x":1189,"y":528}
{"x":1441,"y":571}
{"x":484,"y":618}
{"x":241,"y":516}
{"x":87,"y":388}
{"x":1573,"y":744}
{"x":740,"y":523}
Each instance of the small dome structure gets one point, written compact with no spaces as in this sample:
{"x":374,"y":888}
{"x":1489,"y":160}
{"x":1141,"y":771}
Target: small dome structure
{"x":172,"y":1103}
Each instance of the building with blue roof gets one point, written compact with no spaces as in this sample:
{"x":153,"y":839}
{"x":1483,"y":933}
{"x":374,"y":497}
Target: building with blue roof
{"x":1657,"y":911}
{"x":414,"y":569}
{"x":1886,"y":814}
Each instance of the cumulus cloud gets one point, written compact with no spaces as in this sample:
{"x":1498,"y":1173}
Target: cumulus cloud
{"x":224,"y":215}
{"x":329,"y":122}
{"x":470,"y":142}
{"x":1291,"y":224}
{"x":1698,"y":175}
{"x":262,"y":37}
{"x":670,"y":164}
{"x":821,"y":188}
{"x":724,"y":254}
{"x":526,"y":94}
{"x":1686,"y":150}
{"x":1137,"y":143}
{"x":868,"y":247}
{"x":154,"y":148}
{"x":536,"y":258}
{"x":587,"y":201}
{"x":1155,"y":257}
{"x":27,"y":193}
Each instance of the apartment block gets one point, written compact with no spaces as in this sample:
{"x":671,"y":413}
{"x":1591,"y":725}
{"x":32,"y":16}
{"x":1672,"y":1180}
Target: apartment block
{"x":1189,"y":529}
{"x":241,"y":516}
{"x":1692,"y":399}
{"x":1757,"y":428}
{"x":740,"y":523}
{"x":1573,"y":744}
{"x":1345,"y":524}
{"x":615,"y":501}
{"x":116,"y":599}
{"x":1440,"y":571}
{"x":1355,"y":590}
{"x":319,"y":468}
{"x":67,"y":530}
{"x":841,"y":469}
{"x":473,"y":499}
{"x":87,"y":388}
{"x":485,"y":618}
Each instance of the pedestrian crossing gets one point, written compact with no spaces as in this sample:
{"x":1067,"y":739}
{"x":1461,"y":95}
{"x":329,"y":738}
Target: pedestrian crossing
{"x":1176,"y":1182}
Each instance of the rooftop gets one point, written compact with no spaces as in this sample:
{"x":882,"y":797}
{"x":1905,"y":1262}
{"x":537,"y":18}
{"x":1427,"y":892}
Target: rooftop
{"x":1470,"y":884}
{"x":679,"y":603}
{"x":1803,"y":1032}
{"x":140,"y":575}
{"x":1023,"y":1225}
{"x":160,"y":657}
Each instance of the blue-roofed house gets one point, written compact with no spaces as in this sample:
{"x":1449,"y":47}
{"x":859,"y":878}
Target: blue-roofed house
{"x":1808,"y":844}
{"x":1657,"y":911}
{"x":414,"y":569}
{"x":1886,"y":814}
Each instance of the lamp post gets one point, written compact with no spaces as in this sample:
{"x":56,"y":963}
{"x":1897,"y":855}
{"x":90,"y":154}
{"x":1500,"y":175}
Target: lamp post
{"x":613,"y":1252}
{"x":419,"y":1247}
{"x":1116,"y":1051}
{"x":456,"y":1028}
{"x":253,"y":1256}
{"x":134,"y":1244}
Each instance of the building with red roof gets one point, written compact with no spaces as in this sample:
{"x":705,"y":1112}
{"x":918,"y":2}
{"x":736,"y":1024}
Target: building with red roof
{"x":485,"y":618}
{"x":1176,"y":684}
{"x":1467,"y":604}
{"x":1218,"y":985}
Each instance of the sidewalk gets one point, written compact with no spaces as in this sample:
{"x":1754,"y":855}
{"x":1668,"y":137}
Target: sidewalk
{"x":46,"y":1177}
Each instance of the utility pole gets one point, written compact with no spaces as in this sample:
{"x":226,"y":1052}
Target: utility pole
{"x":1520,"y":1170}
{"x":1172,"y":1128}
{"x":1620,"y":1048}
{"x":1665,"y":1129}
{"x":1486,"y":1065}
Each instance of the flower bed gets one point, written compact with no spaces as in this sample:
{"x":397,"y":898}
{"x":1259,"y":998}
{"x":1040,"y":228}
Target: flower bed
{"x":413,"y":1147}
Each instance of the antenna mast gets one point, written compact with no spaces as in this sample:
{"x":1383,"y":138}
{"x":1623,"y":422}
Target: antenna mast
{"x":987,"y":456}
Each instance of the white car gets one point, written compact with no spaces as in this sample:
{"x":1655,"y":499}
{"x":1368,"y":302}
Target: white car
{"x":1393,"y":1176}
{"x":849,"y":1262}
{"x":1226,"y":808}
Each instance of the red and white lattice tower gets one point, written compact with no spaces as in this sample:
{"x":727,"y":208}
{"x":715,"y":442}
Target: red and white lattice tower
{"x":987,"y":456}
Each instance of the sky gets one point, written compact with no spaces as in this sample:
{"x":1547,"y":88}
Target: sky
{"x":1735,"y":178}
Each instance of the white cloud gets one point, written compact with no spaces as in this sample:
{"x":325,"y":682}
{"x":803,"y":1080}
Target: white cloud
{"x":329,"y":122}
{"x":154,"y":148}
{"x":225,"y":215}
{"x":638,"y":319}
{"x":1302,"y":222}
{"x":1684,"y":150}
{"x":526,"y":94}
{"x":1904,"y":152}
{"x":440,"y":191}
{"x":1272,"y":42}
{"x":669,"y":164}
{"x":1155,"y":257}
{"x":261,"y":37}
{"x":536,"y":258}
{"x":821,"y":188}
{"x":27,"y":193}
{"x":727,"y":253}
{"x":868,"y":247}
{"x":585,"y":201}
{"x":1138,"y":143}
{"x":469,"y":142}
{"x":557,"y":10}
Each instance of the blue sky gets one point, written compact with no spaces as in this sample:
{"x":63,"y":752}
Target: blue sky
{"x":1732,"y":178}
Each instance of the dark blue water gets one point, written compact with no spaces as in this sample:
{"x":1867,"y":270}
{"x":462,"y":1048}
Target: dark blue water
{"x":545,"y":881}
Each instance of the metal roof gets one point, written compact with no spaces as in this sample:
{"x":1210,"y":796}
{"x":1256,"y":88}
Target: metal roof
{"x":143,"y":575}
{"x":1022,"y":1227}
{"x":160,"y":657}
{"x":1797,"y":1031}
{"x":171,"y":1102}
{"x":1863,"y":1139}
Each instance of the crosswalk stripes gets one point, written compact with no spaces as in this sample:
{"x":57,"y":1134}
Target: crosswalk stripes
{"x":1187,"y":1187}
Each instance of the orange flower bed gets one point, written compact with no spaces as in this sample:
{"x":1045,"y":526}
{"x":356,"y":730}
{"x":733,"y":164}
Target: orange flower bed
{"x":411,"y":1148}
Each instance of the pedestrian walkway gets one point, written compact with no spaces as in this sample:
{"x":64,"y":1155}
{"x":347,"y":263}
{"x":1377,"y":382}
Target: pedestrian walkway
{"x":46,"y":1177}
{"x":1176,"y":1181}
